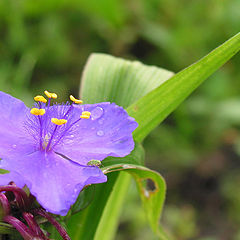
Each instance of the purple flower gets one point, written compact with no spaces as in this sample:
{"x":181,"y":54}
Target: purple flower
{"x":49,"y":147}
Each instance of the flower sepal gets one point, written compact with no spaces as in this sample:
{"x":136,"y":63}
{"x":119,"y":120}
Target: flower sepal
{"x":22,"y":217}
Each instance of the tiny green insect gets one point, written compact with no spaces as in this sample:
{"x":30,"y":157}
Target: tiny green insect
{"x":96,"y":163}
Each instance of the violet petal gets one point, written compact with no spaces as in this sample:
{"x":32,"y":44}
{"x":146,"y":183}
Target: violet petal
{"x":106,"y":134}
{"x":53,"y":180}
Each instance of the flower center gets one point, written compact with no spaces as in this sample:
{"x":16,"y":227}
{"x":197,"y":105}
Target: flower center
{"x":53,"y":121}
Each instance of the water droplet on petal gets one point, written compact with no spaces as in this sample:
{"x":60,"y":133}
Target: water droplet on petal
{"x":14,"y":145}
{"x":100,"y":133}
{"x":96,"y":113}
{"x":72,"y":136}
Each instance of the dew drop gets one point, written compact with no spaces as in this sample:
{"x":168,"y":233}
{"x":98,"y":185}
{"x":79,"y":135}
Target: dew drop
{"x":14,"y":145}
{"x":72,"y":136}
{"x":100,"y":133}
{"x":75,"y":190}
{"x":96,"y":113}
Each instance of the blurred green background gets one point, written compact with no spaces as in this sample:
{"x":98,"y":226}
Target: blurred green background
{"x":44,"y":44}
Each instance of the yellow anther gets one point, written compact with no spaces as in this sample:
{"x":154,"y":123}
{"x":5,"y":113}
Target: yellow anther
{"x":50,"y":95}
{"x":75,"y":100}
{"x":39,"y":98}
{"x":37,"y":111}
{"x":58,"y":121}
{"x":54,"y":95}
{"x":86,"y":113}
{"x":85,"y":116}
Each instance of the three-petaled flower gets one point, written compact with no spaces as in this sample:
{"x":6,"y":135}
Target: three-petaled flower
{"x":48,"y":147}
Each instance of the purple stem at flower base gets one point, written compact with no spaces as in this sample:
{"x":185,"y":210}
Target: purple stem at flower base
{"x":5,"y":204}
{"x":52,"y":220}
{"x":20,"y":195}
{"x":34,"y":226}
{"x":25,"y":232}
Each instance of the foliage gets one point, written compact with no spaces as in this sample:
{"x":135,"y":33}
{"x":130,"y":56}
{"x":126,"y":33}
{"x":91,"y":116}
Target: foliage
{"x":148,"y":110}
{"x":44,"y":44}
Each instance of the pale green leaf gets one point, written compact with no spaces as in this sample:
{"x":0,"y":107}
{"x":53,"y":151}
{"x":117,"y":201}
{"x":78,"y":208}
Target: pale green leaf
{"x":107,"y":78}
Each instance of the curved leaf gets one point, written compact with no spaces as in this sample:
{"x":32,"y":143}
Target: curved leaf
{"x":105,"y":194}
{"x":152,"y":196}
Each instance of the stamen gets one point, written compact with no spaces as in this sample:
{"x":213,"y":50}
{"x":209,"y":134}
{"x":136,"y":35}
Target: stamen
{"x":50,"y":95}
{"x":82,"y":116}
{"x":75,"y":100}
{"x":54,"y":95}
{"x":58,"y":121}
{"x":37,"y":111}
{"x":85,"y":116}
{"x":86,"y":113}
{"x":39,"y":98}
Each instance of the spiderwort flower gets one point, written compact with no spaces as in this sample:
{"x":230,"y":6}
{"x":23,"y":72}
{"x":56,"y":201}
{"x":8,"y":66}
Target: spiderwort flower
{"x":49,"y":147}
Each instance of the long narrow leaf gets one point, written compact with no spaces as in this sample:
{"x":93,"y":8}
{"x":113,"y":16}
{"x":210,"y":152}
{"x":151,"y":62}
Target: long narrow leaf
{"x":151,"y":109}
{"x":112,"y":209}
